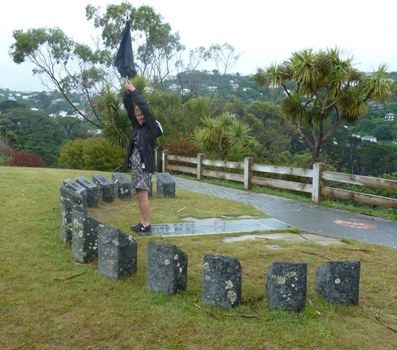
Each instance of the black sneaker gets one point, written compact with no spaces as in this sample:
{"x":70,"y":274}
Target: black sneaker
{"x":140,"y":228}
{"x":133,"y":228}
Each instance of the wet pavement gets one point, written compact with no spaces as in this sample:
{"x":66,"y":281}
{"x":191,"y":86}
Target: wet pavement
{"x":214,"y":227}
{"x":283,"y":213}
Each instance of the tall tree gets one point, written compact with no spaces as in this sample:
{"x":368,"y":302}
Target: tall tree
{"x":64,"y":64}
{"x":72,"y":67}
{"x":154,"y":44}
{"x":322,"y":89}
{"x":224,"y":57}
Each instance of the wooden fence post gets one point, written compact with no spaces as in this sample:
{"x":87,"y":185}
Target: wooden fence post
{"x":248,"y":161}
{"x":157,"y":160}
{"x":165,"y":160}
{"x":317,"y":182}
{"x":200,"y":157}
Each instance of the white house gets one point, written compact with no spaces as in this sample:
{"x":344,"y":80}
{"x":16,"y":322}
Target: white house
{"x":390,"y":117}
{"x":369,"y":138}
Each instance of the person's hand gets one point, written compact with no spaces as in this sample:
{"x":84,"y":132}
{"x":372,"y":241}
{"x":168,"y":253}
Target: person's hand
{"x":128,"y":86}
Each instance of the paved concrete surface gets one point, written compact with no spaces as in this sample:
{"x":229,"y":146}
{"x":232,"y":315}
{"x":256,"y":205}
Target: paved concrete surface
{"x":284,"y":213}
{"x":214,"y":227}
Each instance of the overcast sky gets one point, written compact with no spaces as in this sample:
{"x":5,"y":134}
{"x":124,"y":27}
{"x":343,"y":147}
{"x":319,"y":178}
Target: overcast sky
{"x":264,"y":32}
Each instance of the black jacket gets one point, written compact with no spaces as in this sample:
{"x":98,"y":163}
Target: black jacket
{"x":148,"y":131}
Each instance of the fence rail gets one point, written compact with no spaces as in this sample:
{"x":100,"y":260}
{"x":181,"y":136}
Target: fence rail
{"x":317,"y":181}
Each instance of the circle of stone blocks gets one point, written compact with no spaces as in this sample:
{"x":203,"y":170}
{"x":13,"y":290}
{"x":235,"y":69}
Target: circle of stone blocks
{"x":166,"y":268}
{"x":92,"y":191}
{"x":339,"y":281}
{"x":165,"y":185}
{"x":286,"y":285}
{"x":122,"y":186}
{"x":117,"y":252}
{"x":222,"y":280}
{"x":106,"y":187}
{"x":84,"y":237}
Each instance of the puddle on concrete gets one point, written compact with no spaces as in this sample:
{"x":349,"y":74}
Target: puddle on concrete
{"x":219,"y":217}
{"x":288,"y":237}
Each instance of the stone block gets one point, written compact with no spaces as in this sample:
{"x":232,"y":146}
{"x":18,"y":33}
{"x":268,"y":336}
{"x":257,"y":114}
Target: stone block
{"x":84,"y":237}
{"x":122,"y":186}
{"x":286,"y":285}
{"x":166,"y":268}
{"x":222,"y":280}
{"x":117,"y":252}
{"x":92,"y":191}
{"x":339,"y":281}
{"x":66,"y":207}
{"x":165,"y":185}
{"x":74,"y":197}
{"x":77,"y":188}
{"x":106,"y":187}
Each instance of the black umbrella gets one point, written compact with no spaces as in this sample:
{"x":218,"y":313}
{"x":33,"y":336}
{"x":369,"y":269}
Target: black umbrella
{"x":124,"y":60}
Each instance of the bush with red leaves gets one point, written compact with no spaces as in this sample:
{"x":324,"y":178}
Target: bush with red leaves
{"x":184,"y":147}
{"x":20,"y":158}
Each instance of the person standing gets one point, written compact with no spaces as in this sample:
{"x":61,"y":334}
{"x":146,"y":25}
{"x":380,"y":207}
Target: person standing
{"x":140,"y":155}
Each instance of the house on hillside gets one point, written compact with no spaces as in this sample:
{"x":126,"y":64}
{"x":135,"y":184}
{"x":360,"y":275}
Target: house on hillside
{"x":369,"y":138}
{"x":376,"y":105}
{"x":390,"y":117}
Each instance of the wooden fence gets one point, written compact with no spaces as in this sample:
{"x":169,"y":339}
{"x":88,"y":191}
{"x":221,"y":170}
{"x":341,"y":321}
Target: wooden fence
{"x":317,"y":181}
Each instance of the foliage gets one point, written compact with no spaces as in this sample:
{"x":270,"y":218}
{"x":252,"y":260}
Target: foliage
{"x":183,"y":147}
{"x":6,"y":153}
{"x":116,"y":126}
{"x":16,"y":157}
{"x":8,"y":138}
{"x":269,"y":128}
{"x":63,"y":64}
{"x":224,"y":57}
{"x":92,"y":154}
{"x":20,"y":158}
{"x":35,"y":132}
{"x":5,"y":106}
{"x":225,"y":137}
{"x":153,"y":41}
{"x":326,"y":91}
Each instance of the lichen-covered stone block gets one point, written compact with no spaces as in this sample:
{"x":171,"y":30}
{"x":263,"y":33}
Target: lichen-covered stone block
{"x":66,"y":207}
{"x":77,"y":188}
{"x":122,"y":186}
{"x":286,"y":285}
{"x":117,"y":252}
{"x":166,"y":268}
{"x":84,"y":237}
{"x":92,"y":191}
{"x":74,"y":197}
{"x":106,"y":187}
{"x":339,"y":281}
{"x":165,"y":185}
{"x":222,"y":280}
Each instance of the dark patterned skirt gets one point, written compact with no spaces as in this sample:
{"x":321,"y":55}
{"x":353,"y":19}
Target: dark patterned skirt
{"x":140,"y":179}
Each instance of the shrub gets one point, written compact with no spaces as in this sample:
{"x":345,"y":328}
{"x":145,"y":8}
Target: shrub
{"x":183,"y":147}
{"x":92,"y":154}
{"x":21,"y":158}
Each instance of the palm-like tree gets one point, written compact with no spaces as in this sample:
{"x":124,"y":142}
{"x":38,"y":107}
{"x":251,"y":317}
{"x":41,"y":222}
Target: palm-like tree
{"x":115,"y":124}
{"x":321,"y":90}
{"x":225,"y":137}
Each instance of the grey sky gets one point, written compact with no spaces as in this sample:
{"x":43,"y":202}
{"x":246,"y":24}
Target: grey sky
{"x":264,"y":32}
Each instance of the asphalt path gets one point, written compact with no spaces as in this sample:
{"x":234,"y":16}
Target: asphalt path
{"x":308,"y":217}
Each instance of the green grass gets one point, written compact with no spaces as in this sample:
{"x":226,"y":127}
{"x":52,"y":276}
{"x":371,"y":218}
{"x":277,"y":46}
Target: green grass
{"x":48,"y":301}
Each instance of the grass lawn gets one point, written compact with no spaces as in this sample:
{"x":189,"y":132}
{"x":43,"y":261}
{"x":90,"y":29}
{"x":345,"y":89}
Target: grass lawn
{"x":49,"y":301}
